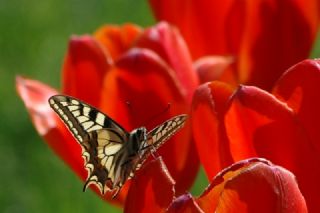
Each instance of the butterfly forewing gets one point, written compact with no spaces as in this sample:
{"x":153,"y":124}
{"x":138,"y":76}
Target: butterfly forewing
{"x":157,"y":136}
{"x":80,"y":117}
{"x":100,"y":137}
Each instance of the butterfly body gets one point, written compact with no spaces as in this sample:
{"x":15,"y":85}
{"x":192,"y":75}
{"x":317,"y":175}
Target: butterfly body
{"x":111,"y":154}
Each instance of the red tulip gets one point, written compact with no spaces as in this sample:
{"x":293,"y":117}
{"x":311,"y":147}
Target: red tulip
{"x":147,"y":68}
{"x":248,"y":122}
{"x":253,"y":185}
{"x":265,"y":37}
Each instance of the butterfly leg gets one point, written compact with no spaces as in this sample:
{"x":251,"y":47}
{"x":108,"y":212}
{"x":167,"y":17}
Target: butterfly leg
{"x":117,"y":190}
{"x":153,"y":150}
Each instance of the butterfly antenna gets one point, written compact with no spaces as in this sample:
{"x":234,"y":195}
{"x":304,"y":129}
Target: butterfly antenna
{"x":116,"y":192}
{"x":157,"y":115}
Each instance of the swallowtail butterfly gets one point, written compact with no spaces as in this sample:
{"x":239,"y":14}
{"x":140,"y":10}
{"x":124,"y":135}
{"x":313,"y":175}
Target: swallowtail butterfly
{"x":111,"y":154}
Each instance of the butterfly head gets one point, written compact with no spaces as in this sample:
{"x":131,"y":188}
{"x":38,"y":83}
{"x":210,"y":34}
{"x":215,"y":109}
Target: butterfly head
{"x":138,"y":136}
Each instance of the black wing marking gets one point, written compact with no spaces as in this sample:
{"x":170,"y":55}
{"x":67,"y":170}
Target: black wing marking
{"x":80,"y":117}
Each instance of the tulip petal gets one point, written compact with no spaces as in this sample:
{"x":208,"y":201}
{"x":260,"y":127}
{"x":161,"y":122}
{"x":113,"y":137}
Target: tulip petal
{"x":299,"y":87}
{"x":184,"y":204}
{"x":257,"y":124}
{"x":267,"y":49}
{"x":211,"y":68}
{"x":35,"y":96}
{"x":117,"y":39}
{"x":246,"y":30}
{"x":202,"y":23}
{"x":259,"y":119}
{"x":84,"y":68}
{"x":209,"y":104}
{"x":143,"y":80}
{"x":166,"y":41}
{"x":253,"y":185}
{"x":152,"y":189}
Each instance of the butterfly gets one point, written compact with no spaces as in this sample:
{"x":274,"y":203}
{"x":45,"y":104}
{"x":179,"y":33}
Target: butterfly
{"x":111,"y":154}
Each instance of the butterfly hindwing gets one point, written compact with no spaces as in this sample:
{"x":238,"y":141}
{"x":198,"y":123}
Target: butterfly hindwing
{"x":102,"y":149}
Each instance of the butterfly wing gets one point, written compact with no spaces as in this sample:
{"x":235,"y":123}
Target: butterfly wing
{"x":101,"y":138}
{"x":80,"y":117}
{"x":103,"y":150}
{"x":157,"y":136}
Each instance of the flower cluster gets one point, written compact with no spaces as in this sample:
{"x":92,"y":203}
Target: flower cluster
{"x":232,"y":129}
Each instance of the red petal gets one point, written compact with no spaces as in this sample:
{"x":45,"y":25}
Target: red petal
{"x":143,"y":79}
{"x":212,"y":68}
{"x":35,"y":96}
{"x":258,"y":124}
{"x":167,"y":42}
{"x":247,"y":30}
{"x":267,"y":49}
{"x":253,"y":185}
{"x":118,"y":39}
{"x":184,"y":204}
{"x":209,"y":104}
{"x":299,"y":87}
{"x":85,"y":66}
{"x":202,"y":23}
{"x":152,"y":189}
{"x":255,"y":110}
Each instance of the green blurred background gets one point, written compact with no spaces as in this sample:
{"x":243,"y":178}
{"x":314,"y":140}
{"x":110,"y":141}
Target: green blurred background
{"x":33,"y":40}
